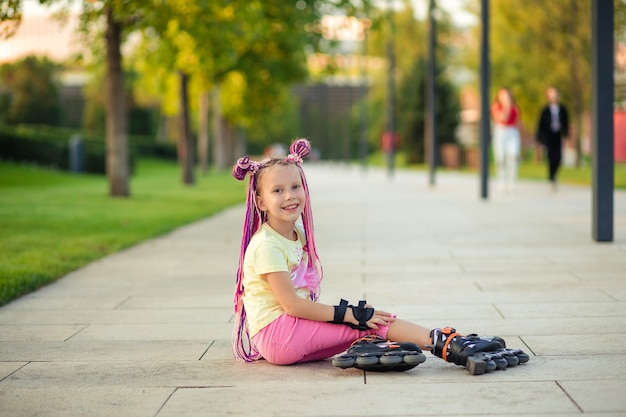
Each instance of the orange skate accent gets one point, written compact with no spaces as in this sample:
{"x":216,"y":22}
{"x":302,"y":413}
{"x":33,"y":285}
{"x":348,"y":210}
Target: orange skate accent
{"x":444,"y":353}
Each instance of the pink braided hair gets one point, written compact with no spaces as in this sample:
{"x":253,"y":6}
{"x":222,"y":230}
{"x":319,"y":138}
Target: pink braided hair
{"x":254,"y":218}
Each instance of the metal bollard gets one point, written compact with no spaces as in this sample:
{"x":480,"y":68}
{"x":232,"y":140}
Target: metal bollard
{"x":77,"y":153}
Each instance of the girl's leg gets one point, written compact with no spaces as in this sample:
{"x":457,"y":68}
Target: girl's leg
{"x":405,"y":331}
{"x":290,"y":340}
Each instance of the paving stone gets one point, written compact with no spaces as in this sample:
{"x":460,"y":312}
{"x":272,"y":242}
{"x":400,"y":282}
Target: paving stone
{"x":117,"y":316}
{"x":564,"y":344}
{"x":601,"y":396}
{"x":79,"y":402}
{"x":154,"y":332}
{"x":7,"y":368}
{"x":102,"y":351}
{"x":532,"y":310}
{"x":39,"y":333}
{"x":335,"y":399}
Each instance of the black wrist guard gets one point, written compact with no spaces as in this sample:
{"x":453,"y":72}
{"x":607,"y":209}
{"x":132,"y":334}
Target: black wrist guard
{"x":361,"y":313}
{"x":340,"y":312}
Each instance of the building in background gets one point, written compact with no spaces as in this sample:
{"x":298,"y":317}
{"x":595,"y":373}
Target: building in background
{"x":41,"y":34}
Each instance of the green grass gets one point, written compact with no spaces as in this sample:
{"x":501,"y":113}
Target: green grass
{"x":53,"y":222}
{"x":571,"y":175}
{"x":527,"y":170}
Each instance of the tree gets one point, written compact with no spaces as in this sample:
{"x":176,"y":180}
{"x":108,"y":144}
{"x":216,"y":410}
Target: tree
{"x":31,"y":94}
{"x":412,"y":110}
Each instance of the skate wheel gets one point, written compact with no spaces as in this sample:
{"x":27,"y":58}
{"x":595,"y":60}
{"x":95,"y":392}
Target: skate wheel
{"x":522,"y":356}
{"x":366,"y":360}
{"x":500,"y":362}
{"x":511,"y":360}
{"x":491,"y":361}
{"x":390,"y":359}
{"x":345,"y":362}
{"x":414,"y":359}
{"x":491,"y":365}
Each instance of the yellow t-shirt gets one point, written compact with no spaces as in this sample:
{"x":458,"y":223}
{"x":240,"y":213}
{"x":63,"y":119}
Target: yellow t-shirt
{"x":267,"y":252}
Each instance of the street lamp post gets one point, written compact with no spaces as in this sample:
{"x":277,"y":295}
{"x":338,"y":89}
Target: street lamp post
{"x":431,"y":91}
{"x":602,"y":119}
{"x":484,"y":101}
{"x":390,"y":136}
{"x":363,"y":151}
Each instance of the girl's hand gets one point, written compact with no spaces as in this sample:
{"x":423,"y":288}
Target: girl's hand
{"x":380,"y":318}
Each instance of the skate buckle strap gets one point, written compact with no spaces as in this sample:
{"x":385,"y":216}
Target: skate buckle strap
{"x":369,"y":338}
{"x":451,"y":333}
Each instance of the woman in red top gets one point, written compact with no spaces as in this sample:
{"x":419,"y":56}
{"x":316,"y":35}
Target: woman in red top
{"x":506,"y":138}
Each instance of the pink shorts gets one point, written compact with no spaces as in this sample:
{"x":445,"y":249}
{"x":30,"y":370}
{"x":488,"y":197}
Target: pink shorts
{"x":289,"y":339}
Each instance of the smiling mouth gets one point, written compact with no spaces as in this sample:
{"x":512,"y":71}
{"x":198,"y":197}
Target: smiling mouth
{"x":291,"y":207}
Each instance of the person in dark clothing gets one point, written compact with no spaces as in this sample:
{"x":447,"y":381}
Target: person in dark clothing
{"x":553,"y":127}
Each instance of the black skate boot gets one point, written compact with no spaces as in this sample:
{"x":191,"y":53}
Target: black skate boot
{"x":477,"y":354}
{"x":373,"y":353}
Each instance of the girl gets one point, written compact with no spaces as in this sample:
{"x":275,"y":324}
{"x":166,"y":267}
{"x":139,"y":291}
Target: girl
{"x":278,"y":317}
{"x":506,"y":134}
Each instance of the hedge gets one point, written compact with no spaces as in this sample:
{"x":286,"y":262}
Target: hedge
{"x":50,"y":146}
{"x":54,"y":154}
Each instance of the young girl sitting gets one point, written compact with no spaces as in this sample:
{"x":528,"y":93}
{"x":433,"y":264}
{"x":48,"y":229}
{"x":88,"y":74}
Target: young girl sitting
{"x":278,"y":317}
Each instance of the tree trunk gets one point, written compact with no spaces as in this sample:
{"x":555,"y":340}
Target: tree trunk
{"x":185,"y":141}
{"x":116,"y":118}
{"x":203,"y":132}
{"x":228,"y":138}
{"x":219,"y":145}
{"x":240,"y":145}
{"x":234,"y":143}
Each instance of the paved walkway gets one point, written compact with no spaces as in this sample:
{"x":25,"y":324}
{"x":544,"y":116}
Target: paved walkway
{"x":146,"y":332}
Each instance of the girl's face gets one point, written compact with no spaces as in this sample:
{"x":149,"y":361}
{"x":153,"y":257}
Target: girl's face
{"x":281,"y":195}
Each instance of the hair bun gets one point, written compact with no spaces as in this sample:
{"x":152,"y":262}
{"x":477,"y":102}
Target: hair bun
{"x":299,"y":149}
{"x":243,"y":166}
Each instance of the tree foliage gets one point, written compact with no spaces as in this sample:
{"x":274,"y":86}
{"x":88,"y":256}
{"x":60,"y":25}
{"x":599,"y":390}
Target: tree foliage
{"x":412,"y":110}
{"x":29,"y":93}
{"x":10,"y":17}
{"x":262,"y":43}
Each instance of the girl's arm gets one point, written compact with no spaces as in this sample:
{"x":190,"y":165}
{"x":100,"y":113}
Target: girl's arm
{"x":283,"y":289}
